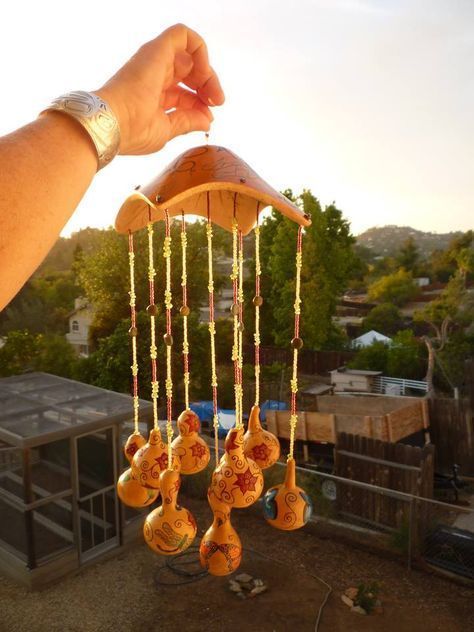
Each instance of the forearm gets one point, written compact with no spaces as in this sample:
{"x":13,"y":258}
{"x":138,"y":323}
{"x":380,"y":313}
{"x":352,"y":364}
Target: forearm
{"x":46,"y":167}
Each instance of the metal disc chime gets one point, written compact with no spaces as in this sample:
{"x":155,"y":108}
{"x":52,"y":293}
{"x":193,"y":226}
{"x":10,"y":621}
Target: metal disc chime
{"x":214,"y":183}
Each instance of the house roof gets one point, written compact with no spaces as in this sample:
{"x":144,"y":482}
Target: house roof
{"x":38,"y":408}
{"x":365,"y":340}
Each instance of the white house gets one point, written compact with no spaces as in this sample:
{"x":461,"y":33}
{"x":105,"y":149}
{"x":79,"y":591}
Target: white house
{"x":369,"y":338}
{"x":80,"y":320}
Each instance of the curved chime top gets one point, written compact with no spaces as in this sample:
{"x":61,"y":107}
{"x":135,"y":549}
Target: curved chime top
{"x":185,"y":184}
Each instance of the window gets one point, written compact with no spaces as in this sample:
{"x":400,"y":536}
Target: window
{"x":84,"y":350}
{"x":74,"y":325}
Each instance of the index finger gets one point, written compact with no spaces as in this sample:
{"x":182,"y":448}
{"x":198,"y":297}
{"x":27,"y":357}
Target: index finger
{"x":202,"y":76}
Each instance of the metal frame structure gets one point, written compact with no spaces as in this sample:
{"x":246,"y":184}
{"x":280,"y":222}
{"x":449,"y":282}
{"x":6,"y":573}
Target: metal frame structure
{"x":33,"y":414}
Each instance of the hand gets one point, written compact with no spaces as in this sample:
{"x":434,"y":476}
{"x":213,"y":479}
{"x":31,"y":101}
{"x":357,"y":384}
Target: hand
{"x":148,"y":100}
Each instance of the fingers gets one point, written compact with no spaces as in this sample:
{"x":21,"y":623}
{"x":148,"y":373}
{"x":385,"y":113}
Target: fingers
{"x":185,"y":120}
{"x":202,"y":76}
{"x":179,"y":97}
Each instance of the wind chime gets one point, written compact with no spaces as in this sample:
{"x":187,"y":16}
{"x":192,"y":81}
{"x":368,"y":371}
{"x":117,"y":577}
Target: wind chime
{"x":214,"y":183}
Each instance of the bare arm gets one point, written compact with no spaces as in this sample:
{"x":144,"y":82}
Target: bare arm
{"x":47,"y":166}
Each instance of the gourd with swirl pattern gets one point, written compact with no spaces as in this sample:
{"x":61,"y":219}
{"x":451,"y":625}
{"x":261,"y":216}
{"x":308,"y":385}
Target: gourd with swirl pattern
{"x":150,"y":460}
{"x":134,"y":442}
{"x":169,"y":529}
{"x":260,"y":445}
{"x":192,"y":450}
{"x":237,"y":480}
{"x":132,"y":494}
{"x":287,"y":506}
{"x":220,"y":551}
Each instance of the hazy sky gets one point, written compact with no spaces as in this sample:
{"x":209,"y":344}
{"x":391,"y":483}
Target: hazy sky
{"x":367,"y":102}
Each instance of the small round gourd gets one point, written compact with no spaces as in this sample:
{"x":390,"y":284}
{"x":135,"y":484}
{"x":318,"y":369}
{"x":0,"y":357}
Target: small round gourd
{"x":192,"y":450}
{"x":132,"y":494}
{"x":259,"y":444}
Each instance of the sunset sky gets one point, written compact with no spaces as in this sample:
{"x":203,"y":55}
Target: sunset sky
{"x":369,"y":103}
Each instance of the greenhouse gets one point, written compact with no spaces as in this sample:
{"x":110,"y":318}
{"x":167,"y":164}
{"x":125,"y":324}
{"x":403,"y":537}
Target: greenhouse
{"x":60,"y":455}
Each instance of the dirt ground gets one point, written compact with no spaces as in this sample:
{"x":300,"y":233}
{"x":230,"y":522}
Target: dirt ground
{"x":122,"y":594}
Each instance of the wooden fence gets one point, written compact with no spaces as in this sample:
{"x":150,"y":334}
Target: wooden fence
{"x":311,"y":362}
{"x":396,"y":466}
{"x":452,"y":432}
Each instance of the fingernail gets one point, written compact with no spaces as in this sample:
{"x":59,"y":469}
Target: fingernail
{"x":210,"y":101}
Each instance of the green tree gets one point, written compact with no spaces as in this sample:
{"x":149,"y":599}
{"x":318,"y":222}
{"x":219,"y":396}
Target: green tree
{"x":405,"y":356}
{"x":408,"y":255}
{"x":371,"y":358}
{"x":397,"y":288}
{"x":24,"y":351}
{"x":327,"y":260}
{"x":385,"y":318}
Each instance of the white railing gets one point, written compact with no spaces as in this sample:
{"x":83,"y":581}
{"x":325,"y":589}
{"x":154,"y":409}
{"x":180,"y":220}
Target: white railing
{"x":398,"y":386}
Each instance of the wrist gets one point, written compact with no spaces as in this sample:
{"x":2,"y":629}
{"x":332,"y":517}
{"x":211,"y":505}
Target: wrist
{"x":96,"y":117}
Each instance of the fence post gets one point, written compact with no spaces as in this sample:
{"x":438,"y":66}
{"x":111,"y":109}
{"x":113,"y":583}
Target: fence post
{"x":412,"y":532}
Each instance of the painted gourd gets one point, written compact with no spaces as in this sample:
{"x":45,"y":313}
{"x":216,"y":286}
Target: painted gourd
{"x":169,"y":529}
{"x":150,"y":460}
{"x":192,"y":450}
{"x":287,"y":506}
{"x":220,"y":551}
{"x":132,"y":494}
{"x":134,"y":442}
{"x":260,"y":445}
{"x":237,"y":481}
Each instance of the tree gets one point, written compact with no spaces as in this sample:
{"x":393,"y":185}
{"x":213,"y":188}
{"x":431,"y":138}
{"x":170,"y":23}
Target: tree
{"x":397,"y":288}
{"x":385,"y":318}
{"x":371,"y":358}
{"x":24,"y":351}
{"x":405,"y":356}
{"x":452,"y":311}
{"x":408,"y":255}
{"x":105,"y":278}
{"x":327,"y":260}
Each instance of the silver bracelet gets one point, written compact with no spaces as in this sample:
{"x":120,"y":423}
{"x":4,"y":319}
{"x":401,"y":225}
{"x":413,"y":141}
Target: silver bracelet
{"x":96,"y":117}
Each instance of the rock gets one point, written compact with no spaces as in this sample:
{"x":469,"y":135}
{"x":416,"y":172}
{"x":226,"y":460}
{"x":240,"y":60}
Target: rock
{"x":358,"y":609}
{"x":347,"y":601}
{"x":241,"y":595}
{"x":248,"y":586}
{"x":351,"y":593}
{"x":234,"y":586}
{"x":244,"y":578}
{"x":257,"y":590}
{"x":258,"y":582}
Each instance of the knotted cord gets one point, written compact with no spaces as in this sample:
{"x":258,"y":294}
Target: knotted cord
{"x":152,"y":311}
{"x":185,"y":311}
{"x":168,"y":337}
{"x":257,"y":302}
{"x":212,"y":330}
{"x":296,"y":342}
{"x":133,"y":330}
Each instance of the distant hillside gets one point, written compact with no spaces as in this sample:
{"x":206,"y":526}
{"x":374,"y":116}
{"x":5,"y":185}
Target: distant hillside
{"x":386,"y":240}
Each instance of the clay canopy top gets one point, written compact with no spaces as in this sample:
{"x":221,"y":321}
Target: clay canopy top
{"x":206,"y":177}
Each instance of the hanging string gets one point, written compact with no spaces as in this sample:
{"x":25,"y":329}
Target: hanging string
{"x":168,"y":337}
{"x":212,"y":330}
{"x":237,"y":312}
{"x":257,"y":303}
{"x":296,"y":343}
{"x":133,"y":330}
{"x":185,"y":312}
{"x":152,"y":311}
{"x":241,"y":327}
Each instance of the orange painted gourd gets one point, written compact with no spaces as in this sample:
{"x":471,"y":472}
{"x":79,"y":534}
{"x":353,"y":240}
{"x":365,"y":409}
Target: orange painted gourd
{"x":237,"y":481}
{"x":192,"y":450}
{"x":150,"y":460}
{"x":287,"y":506}
{"x":132,"y":494}
{"x":260,"y":445}
{"x":220,"y":551}
{"x":169,"y":529}
{"x":134,"y":442}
